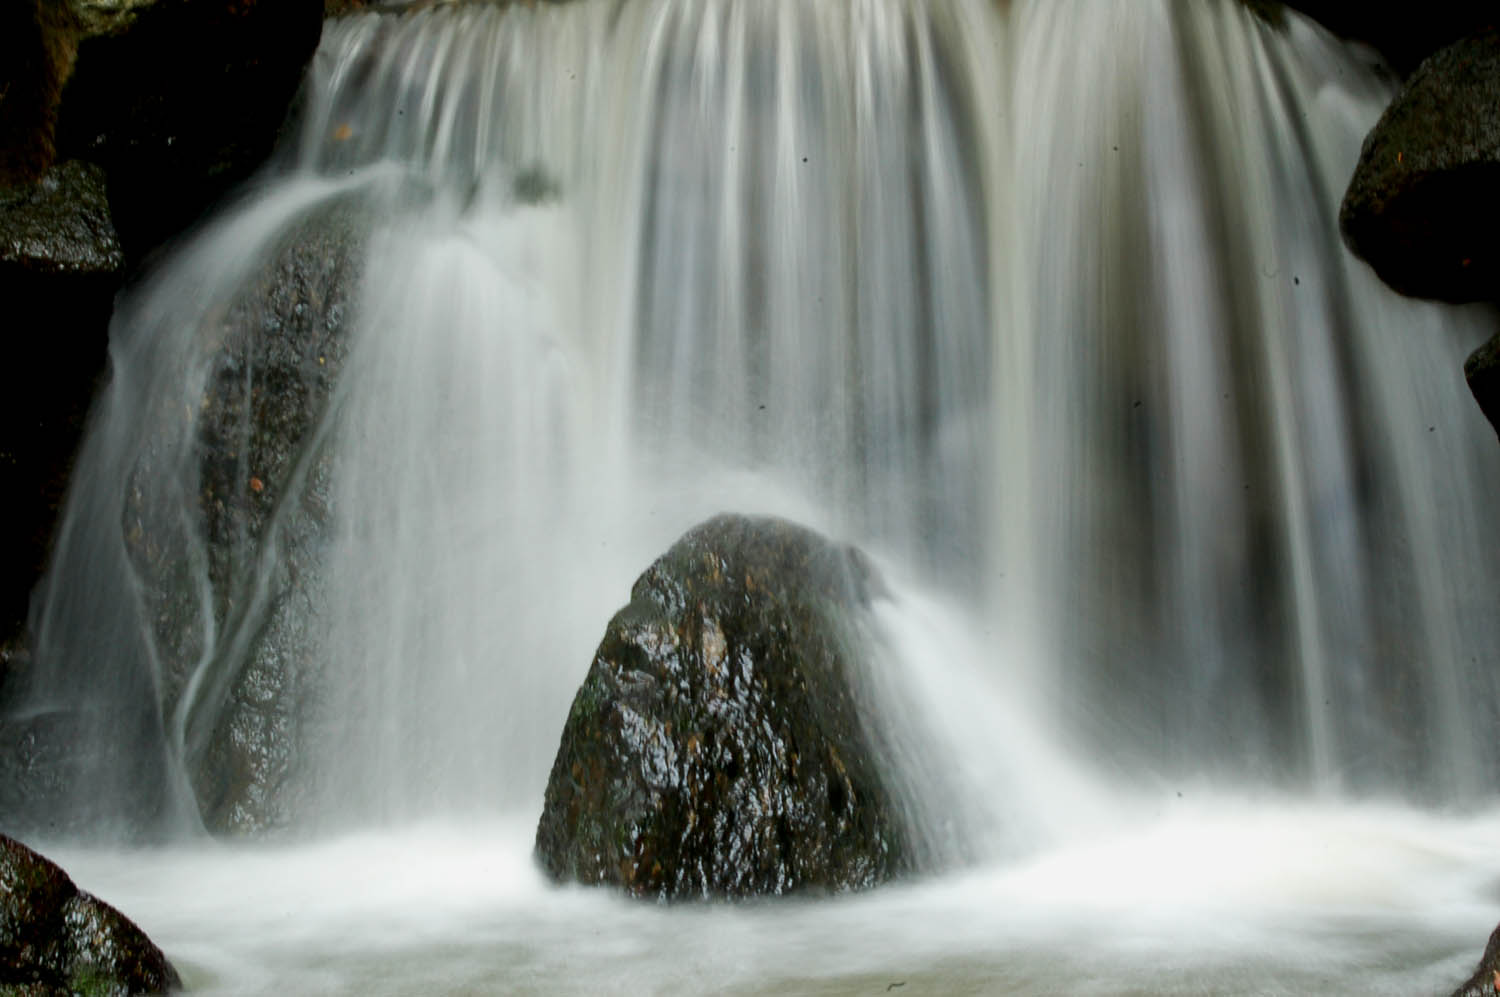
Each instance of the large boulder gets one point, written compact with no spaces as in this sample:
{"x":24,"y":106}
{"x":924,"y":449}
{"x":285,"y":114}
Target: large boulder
{"x":719,"y":746}
{"x":1421,"y":207}
{"x":56,"y":939}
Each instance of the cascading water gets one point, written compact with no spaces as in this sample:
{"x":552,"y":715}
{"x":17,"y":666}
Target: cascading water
{"x":1041,"y":303}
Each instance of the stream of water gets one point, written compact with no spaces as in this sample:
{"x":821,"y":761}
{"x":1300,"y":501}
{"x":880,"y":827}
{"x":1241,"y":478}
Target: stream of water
{"x":1185,"y":517}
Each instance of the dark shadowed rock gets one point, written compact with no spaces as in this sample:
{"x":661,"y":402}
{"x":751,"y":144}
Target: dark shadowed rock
{"x":60,"y":223}
{"x":60,"y":264}
{"x":1421,"y":207}
{"x":178,"y":101}
{"x":1482,"y":371}
{"x":55,"y":939}
{"x":1405,"y":36}
{"x":717,"y":747}
{"x":170,"y":104}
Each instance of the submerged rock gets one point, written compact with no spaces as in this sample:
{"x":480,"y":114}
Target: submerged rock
{"x":56,"y":939}
{"x":1421,"y":207}
{"x":718,"y":746}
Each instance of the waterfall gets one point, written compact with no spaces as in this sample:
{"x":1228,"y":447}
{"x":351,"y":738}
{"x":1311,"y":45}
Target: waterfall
{"x":1041,"y":303}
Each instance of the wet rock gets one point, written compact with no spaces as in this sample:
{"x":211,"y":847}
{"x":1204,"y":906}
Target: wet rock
{"x":178,"y":101}
{"x":1421,"y":207}
{"x":169,"y":104}
{"x":60,"y":265}
{"x":1482,"y":371}
{"x":60,"y":223}
{"x":55,"y":939}
{"x":1486,"y":976}
{"x":718,"y":746}
{"x":263,"y":482}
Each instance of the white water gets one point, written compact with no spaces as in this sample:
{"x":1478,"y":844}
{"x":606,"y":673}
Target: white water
{"x":1041,"y":303}
{"x":1211,"y":895}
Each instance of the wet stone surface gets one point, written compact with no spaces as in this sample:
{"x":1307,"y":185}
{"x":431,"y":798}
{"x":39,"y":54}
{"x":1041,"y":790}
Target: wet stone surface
{"x":1420,"y":208}
{"x":55,"y":939}
{"x":718,"y":747}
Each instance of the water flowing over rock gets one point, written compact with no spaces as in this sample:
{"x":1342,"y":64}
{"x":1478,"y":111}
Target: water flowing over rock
{"x":56,"y":939}
{"x":120,"y":122}
{"x":1421,"y":206}
{"x":1070,"y":340}
{"x":719,"y":746}
{"x":249,"y":461}
{"x":264,"y":497}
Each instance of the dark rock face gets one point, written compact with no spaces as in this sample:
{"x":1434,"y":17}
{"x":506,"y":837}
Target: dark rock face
{"x":1421,"y":207}
{"x":223,"y":523}
{"x":36,"y":55}
{"x":171,"y":103}
{"x":1402,"y":35}
{"x":56,"y":939}
{"x":60,"y":224}
{"x":1482,"y":371}
{"x":178,"y":101}
{"x":717,"y":746}
{"x":60,"y":264}
{"x":1486,"y":979}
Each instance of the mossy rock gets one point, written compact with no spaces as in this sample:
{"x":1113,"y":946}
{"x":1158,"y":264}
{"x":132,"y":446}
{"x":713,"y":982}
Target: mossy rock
{"x":719,"y":746}
{"x":56,"y":939}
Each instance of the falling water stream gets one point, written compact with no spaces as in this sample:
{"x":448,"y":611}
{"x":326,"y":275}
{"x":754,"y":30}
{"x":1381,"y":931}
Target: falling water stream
{"x":1189,"y":636}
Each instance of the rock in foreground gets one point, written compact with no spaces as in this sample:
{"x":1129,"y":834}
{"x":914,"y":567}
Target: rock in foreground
{"x":57,"y":939}
{"x":718,"y":746}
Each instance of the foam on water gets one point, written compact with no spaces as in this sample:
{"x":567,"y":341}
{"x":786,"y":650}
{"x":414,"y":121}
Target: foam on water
{"x":1208,"y":895}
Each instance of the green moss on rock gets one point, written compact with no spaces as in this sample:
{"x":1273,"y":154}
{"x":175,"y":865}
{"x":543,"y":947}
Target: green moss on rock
{"x":55,"y":939}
